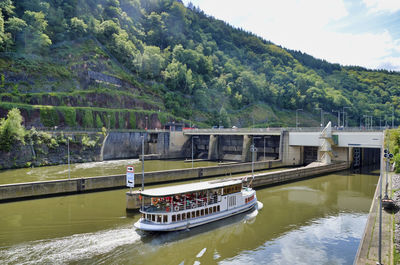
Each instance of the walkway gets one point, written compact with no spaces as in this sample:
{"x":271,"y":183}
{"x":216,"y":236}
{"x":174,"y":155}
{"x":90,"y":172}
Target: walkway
{"x":368,"y":251}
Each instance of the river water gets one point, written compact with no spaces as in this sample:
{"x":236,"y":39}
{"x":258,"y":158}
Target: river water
{"x":315,"y":221}
{"x":94,"y":169}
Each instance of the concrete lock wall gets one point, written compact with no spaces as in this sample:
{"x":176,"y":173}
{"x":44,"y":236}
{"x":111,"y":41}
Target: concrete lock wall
{"x":59,"y":187}
{"x":264,"y":179}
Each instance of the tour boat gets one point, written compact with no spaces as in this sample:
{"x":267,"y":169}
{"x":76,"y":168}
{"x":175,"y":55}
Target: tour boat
{"x":185,"y":206}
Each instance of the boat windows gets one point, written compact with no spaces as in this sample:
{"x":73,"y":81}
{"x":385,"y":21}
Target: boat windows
{"x":143,"y":216}
{"x":178,"y":217}
{"x":193,"y":214}
{"x":218,"y":209}
{"x":165,"y":218}
{"x":206,"y":211}
{"x":183,"y":216}
{"x":202,"y":212}
{"x":148,"y":217}
{"x":173,"y":218}
{"x":211,"y":210}
{"x":188,"y":215}
{"x":158,"y":218}
{"x":214,"y":209}
{"x":197,"y":213}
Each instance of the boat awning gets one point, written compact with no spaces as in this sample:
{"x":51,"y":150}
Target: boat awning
{"x":188,"y":188}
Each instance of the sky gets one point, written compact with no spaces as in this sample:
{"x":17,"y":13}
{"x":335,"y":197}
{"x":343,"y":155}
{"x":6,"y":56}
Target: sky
{"x":350,"y":32}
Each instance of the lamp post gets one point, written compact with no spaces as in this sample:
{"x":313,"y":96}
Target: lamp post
{"x":253,"y":149}
{"x":142,"y":162}
{"x":338,"y":116}
{"x":264,"y":149}
{"x":322,"y":116}
{"x":392,"y":116}
{"x":344,"y":117}
{"x":69,"y":168}
{"x":297,"y":118}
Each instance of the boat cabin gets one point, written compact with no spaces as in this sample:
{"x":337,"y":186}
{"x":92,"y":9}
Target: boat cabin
{"x":178,"y":203}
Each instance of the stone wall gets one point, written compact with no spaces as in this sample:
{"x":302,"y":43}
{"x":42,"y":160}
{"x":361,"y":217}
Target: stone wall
{"x":54,"y":152}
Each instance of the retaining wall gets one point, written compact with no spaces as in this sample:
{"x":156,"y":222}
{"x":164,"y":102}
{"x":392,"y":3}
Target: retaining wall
{"x":28,"y":190}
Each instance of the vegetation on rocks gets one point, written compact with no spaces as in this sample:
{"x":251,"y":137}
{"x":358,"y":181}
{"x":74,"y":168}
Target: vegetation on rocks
{"x":176,"y":62}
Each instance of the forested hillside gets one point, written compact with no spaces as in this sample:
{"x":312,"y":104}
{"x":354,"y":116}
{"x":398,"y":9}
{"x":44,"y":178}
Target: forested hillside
{"x":94,"y":63}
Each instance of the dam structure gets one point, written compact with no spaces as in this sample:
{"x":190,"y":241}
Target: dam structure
{"x":291,"y":146}
{"x":257,"y":149}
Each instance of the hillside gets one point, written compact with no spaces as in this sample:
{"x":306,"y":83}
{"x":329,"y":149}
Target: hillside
{"x":120,"y":64}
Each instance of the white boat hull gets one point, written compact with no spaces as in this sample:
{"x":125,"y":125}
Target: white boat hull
{"x":193,"y":222}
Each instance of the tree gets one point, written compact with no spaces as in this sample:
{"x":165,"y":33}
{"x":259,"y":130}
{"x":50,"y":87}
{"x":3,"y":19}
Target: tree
{"x":151,"y":62}
{"x":15,"y":26}
{"x":11,"y":130}
{"x":35,"y":38}
{"x":78,"y":27}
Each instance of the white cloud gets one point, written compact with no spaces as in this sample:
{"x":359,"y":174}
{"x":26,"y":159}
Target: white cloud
{"x":304,"y":25}
{"x":391,"y":6}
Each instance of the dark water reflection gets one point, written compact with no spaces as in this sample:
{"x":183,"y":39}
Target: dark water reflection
{"x":317,"y":221}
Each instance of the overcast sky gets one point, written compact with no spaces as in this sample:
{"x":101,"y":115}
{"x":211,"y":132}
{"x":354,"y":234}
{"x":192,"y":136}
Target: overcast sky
{"x":349,"y":32}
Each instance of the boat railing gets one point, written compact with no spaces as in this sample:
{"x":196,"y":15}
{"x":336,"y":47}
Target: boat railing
{"x":179,"y":206}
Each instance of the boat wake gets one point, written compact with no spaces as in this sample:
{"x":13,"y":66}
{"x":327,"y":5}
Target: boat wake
{"x":71,"y":248}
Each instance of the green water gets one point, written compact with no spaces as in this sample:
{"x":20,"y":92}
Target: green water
{"x":94,"y":169}
{"x":315,"y":221}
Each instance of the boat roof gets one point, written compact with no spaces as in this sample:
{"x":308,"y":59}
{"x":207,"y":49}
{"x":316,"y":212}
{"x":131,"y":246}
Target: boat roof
{"x":187,"y":188}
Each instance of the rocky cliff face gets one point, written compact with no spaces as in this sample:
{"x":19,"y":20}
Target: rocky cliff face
{"x":83,"y":148}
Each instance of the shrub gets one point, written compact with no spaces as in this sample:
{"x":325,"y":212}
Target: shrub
{"x":99,"y":123}
{"x":87,"y":142}
{"x":121,"y":120}
{"x":11,"y":130}
{"x":88,"y":119}
{"x":132,"y":120}
{"x":69,"y":116}
{"x":49,"y":116}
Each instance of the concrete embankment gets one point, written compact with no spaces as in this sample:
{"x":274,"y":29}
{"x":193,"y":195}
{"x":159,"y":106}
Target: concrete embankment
{"x":368,"y":250}
{"x":266,"y":179}
{"x":29,"y":190}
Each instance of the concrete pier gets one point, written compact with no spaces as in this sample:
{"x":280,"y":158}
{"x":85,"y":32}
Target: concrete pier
{"x":265,"y":179}
{"x":368,"y":250}
{"x":29,"y":190}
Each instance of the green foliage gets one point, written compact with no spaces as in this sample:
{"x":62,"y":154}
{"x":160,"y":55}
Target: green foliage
{"x":112,"y":120}
{"x":69,"y":116}
{"x":99,"y":123}
{"x":87,"y":119}
{"x":49,"y":116}
{"x":78,"y":27}
{"x":87,"y":142}
{"x":177,"y":59}
{"x":132,"y":120}
{"x":11,"y":130}
{"x":121,"y":120}
{"x":34,"y":36}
